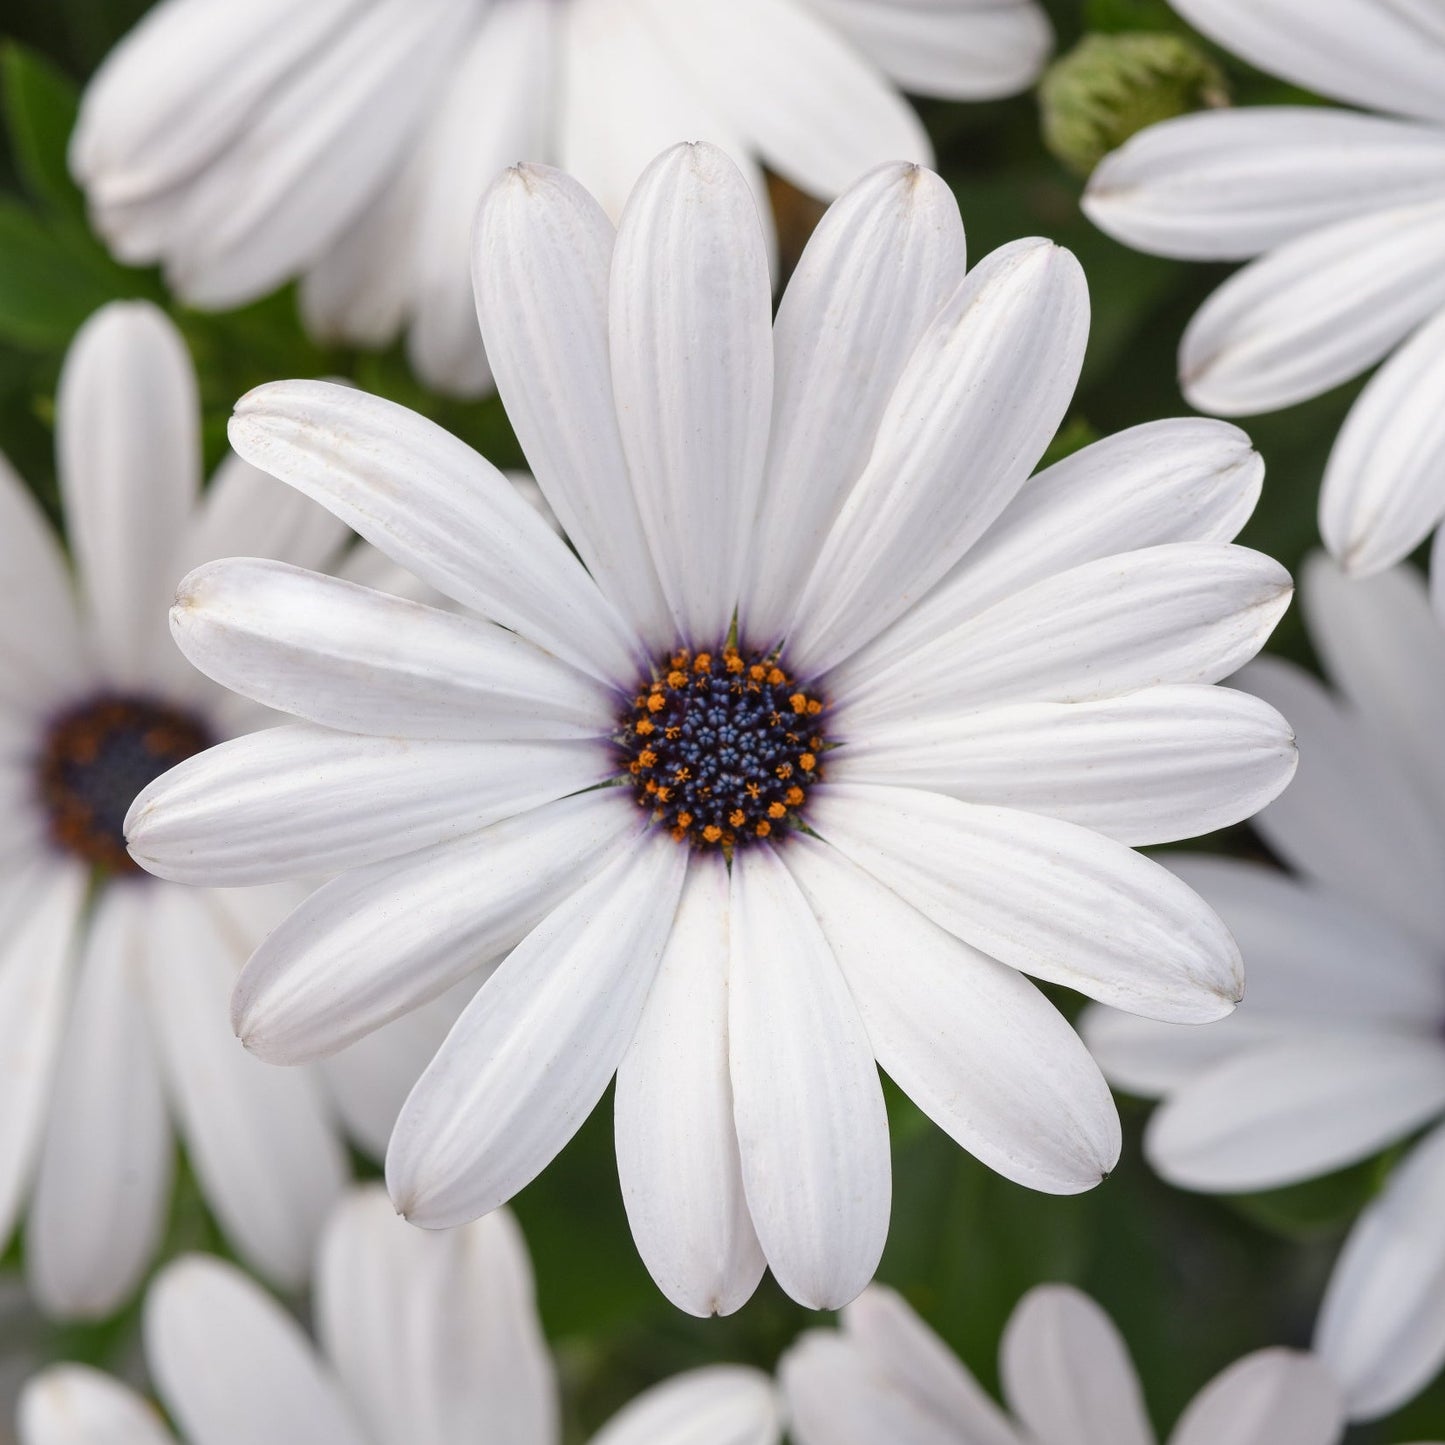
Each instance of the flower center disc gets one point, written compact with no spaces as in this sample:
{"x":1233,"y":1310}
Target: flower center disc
{"x":96,"y":758}
{"x":723,"y":747}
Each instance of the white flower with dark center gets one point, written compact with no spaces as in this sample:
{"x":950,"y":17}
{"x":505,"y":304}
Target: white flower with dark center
{"x":425,"y":1339}
{"x":347,"y":142}
{"x":113,"y":986}
{"x":835,"y":731}
{"x":1066,"y":1374}
{"x":1346,"y":212}
{"x":1340,"y":1048}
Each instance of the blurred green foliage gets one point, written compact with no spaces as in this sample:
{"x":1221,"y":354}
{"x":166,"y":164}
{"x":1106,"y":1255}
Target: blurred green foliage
{"x":1193,"y":1282}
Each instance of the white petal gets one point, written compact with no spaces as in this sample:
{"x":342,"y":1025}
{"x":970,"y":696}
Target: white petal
{"x":76,"y":1405}
{"x":432,"y":504}
{"x":105,"y":1170}
{"x":677,"y":1146}
{"x":370,"y":945}
{"x":1315,"y":312}
{"x":1187,"y":612}
{"x":233,"y":1367}
{"x":1381,"y":54}
{"x":362,"y":661}
{"x":1034,"y":893}
{"x":290,"y":801}
{"x":1382,"y":1325}
{"x":990,"y":380}
{"x":973,"y":1043}
{"x":1382,"y":491}
{"x":881,"y":263}
{"x":535,"y":1050}
{"x":810,"y":104}
{"x":1150,"y":767}
{"x":1153,"y":1059}
{"x":1227,"y":184}
{"x":1187,"y":479}
{"x":261,"y":1143}
{"x":434,"y":1334}
{"x":692,"y":368}
{"x":1067,"y":1375}
{"x":128,"y":452}
{"x":1280,"y":1114}
{"x":542,"y":257}
{"x":807,"y":1100}
{"x":716,"y":1405}
{"x":1274,"y":1397}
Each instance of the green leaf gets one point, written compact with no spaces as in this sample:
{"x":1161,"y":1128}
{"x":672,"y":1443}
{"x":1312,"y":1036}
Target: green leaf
{"x":45,"y":292}
{"x":40,"y":108}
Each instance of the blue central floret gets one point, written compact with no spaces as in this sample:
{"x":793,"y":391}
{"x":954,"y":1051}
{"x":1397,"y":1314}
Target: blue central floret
{"x":723,"y":747}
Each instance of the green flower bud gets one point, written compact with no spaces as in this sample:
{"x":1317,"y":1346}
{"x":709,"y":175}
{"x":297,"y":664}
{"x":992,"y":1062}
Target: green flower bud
{"x":1108,"y":87}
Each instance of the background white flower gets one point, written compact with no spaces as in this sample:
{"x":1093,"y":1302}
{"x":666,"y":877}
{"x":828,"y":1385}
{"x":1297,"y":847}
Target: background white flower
{"x":915,"y":778}
{"x":348,"y":141}
{"x":1339,"y":1048}
{"x":425,"y":1339}
{"x":1067,"y":1377}
{"x":1347,"y":214}
{"x":113,"y":986}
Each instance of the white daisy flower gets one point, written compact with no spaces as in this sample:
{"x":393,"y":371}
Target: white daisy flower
{"x":348,"y":141}
{"x":774,"y":781}
{"x":1340,"y":1049}
{"x":424,"y":1339}
{"x":1346,"y":212}
{"x":1066,"y":1375}
{"x":113,"y":987}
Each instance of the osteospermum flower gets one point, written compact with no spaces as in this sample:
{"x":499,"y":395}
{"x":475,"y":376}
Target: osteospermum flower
{"x":1066,"y":1375}
{"x":1346,"y":212}
{"x":424,"y":1339}
{"x":1340,"y":1049}
{"x":829,"y":732}
{"x":348,"y":141}
{"x":114,"y":987}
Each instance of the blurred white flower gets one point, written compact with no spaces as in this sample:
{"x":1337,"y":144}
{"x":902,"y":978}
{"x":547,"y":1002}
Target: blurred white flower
{"x":1339,"y":1049}
{"x":1067,"y":1377}
{"x":880,"y":780}
{"x":424,"y":1339}
{"x":113,"y":987}
{"x":1347,"y":214}
{"x":348,"y":141}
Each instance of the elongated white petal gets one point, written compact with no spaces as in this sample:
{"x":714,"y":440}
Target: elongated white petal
{"x":542,"y":258}
{"x":694,"y":415}
{"x":677,"y":1146}
{"x":128,"y":452}
{"x":289,"y":801}
{"x":233,"y":1367}
{"x":432,"y":504}
{"x":809,"y":1107}
{"x":1150,"y":767}
{"x":1153,"y":1060}
{"x":105,"y":1169}
{"x":972,"y":1042}
{"x":1067,"y":1375}
{"x":261,"y":1143}
{"x":368,"y":946}
{"x":362,"y":661}
{"x":534,"y":1051}
{"x":1382,"y":1324}
{"x":989,"y":381}
{"x":434,"y":1334}
{"x":1228,"y":184}
{"x":883,"y":260}
{"x":76,"y":1405}
{"x":1274,"y":1397}
{"x":811,"y":105}
{"x":1314,"y":312}
{"x":1032,"y":892}
{"x":1382,"y":490}
{"x":716,"y":1405}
